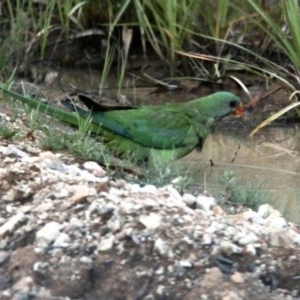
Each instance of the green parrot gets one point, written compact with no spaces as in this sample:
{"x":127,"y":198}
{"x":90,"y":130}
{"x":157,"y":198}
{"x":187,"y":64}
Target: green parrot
{"x":169,"y":131}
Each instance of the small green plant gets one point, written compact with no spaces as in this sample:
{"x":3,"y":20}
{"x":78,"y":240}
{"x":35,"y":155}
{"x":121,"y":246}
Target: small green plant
{"x":159,"y":171}
{"x":77,"y":143}
{"x":29,"y":23}
{"x":109,"y":56}
{"x":284,"y":30}
{"x":248,"y":196}
{"x":6,"y":132}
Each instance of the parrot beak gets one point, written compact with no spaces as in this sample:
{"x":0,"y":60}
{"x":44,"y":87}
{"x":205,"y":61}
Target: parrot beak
{"x":239,"y":111}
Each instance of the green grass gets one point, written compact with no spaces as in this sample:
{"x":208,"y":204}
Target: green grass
{"x":168,"y":26}
{"x":202,"y":39}
{"x":77,"y":143}
{"x":6,"y":131}
{"x":249,"y":195}
{"x":161,"y":172}
{"x":28,"y":25}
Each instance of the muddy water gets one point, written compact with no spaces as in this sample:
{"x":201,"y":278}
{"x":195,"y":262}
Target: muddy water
{"x":269,"y":161}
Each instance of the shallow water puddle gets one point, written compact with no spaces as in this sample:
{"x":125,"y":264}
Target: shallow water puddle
{"x":269,"y":161}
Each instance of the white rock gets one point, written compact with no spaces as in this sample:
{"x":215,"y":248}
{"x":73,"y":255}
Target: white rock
{"x":188,"y":199}
{"x":48,"y":234}
{"x":265,"y":210}
{"x":227,"y":247}
{"x":114,"y":225}
{"x":207,"y":239}
{"x":238,"y":278}
{"x":44,"y":206}
{"x":12,"y":223}
{"x":11,"y":209}
{"x":248,"y":239}
{"x":162,"y":248}
{"x":86,"y":260}
{"x":62,"y":193}
{"x":40,"y":266}
{"x":81,"y":192}
{"x":160,"y":290}
{"x":94,"y":167}
{"x":170,"y":268}
{"x":205,"y":202}
{"x":106,"y":243}
{"x":4,"y":257}
{"x":295,"y":236}
{"x":62,"y":241}
{"x":151,"y":221}
{"x":75,"y":222}
{"x":185,"y":264}
{"x":24,"y":284}
{"x":117,"y":192}
{"x":11,"y":195}
{"x":275,"y":222}
{"x":253,"y":217}
{"x":250,"y":249}
{"x":286,"y":238}
{"x":149,"y":188}
{"x":215,"y":226}
{"x":173,"y":193}
{"x":11,"y":149}
{"x":160,"y":271}
{"x":148,"y":202}
{"x":134,"y":188}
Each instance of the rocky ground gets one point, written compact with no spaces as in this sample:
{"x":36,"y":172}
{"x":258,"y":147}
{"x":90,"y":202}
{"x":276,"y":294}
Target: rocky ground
{"x":70,"y":232}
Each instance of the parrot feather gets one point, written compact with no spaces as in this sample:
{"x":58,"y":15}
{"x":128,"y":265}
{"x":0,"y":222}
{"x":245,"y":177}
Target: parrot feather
{"x":169,"y":130}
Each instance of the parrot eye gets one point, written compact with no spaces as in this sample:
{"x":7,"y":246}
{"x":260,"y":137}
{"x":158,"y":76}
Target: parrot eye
{"x":233,"y":103}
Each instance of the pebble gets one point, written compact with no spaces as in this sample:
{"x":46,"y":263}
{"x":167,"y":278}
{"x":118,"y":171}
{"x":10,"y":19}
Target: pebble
{"x":94,"y":167}
{"x":40,"y":266}
{"x":86,"y":260}
{"x":12,"y":224}
{"x":250,"y":249}
{"x":151,"y":221}
{"x":23,"y":284}
{"x":237,"y":277}
{"x":13,"y":150}
{"x":275,"y":222}
{"x":151,"y":189}
{"x":106,"y":243}
{"x":205,"y":202}
{"x":265,"y":210}
{"x":189,"y":199}
{"x":114,"y":225}
{"x":11,"y":195}
{"x":4,"y":257}
{"x":63,"y":240}
{"x":172,"y":192}
{"x":250,"y":238}
{"x":226,"y":247}
{"x":160,"y":290}
{"x":207,"y":239}
{"x":62,"y":193}
{"x":185,"y":264}
{"x":47,"y":234}
{"x":81,"y":192}
{"x":162,"y":248}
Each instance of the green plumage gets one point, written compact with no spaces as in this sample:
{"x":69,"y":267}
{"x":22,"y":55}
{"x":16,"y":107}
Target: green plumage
{"x":170,"y":131}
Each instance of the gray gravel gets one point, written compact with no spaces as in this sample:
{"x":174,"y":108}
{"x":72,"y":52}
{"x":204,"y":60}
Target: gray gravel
{"x":67,"y":231}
